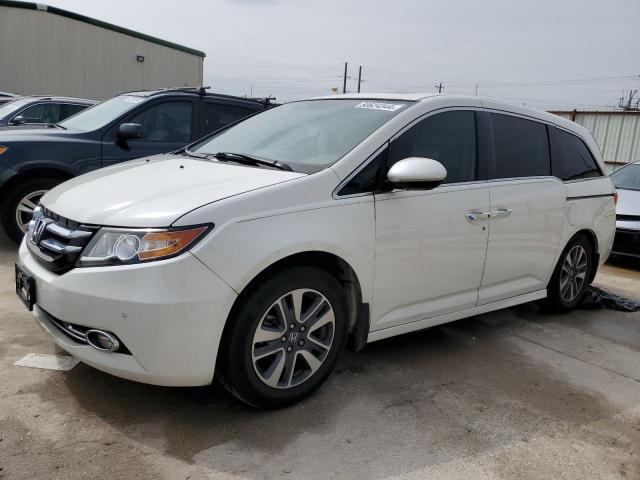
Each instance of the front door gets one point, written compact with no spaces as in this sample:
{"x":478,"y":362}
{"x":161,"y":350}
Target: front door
{"x":167,"y":126}
{"x":431,"y":245}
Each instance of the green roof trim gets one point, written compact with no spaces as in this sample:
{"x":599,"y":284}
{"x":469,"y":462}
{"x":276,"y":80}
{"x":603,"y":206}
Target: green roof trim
{"x":99,"y":23}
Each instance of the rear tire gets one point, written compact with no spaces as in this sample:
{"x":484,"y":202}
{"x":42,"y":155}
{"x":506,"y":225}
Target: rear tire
{"x":284,"y":338}
{"x":571,"y":276}
{"x":18,"y":200}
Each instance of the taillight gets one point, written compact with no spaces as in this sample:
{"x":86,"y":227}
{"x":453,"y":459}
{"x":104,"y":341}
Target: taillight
{"x":615,"y":198}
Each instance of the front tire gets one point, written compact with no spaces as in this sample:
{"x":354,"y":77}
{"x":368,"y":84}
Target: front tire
{"x":571,"y":276}
{"x":284,"y":339}
{"x":20,"y":201}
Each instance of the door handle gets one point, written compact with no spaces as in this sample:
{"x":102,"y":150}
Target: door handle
{"x":476,"y":215}
{"x":500,"y":212}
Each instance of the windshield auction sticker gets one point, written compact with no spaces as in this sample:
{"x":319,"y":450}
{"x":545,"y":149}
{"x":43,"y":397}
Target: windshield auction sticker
{"x":387,"y":107}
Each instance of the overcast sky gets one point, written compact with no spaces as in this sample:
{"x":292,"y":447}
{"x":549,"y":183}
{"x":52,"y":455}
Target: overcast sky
{"x":544,"y":53}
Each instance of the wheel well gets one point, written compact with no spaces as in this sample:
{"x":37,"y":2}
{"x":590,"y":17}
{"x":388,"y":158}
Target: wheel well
{"x":31,"y":174}
{"x":593,"y":241}
{"x":328,"y":262}
{"x":332,"y":264}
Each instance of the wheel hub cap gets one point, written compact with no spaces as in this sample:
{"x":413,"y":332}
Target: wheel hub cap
{"x":293,"y":338}
{"x":573,"y":273}
{"x":26,"y":206}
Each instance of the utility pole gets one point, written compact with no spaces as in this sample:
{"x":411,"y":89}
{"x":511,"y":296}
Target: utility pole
{"x":440,"y":87}
{"x":359,"y":77}
{"x":476,"y":89}
{"x":344,"y":81}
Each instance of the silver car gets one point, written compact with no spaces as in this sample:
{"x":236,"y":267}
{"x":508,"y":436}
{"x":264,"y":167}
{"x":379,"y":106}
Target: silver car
{"x":627,"y":182}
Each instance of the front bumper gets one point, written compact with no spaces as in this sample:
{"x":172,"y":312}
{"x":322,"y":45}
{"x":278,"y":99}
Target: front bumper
{"x":627,"y":240}
{"x":170,"y":315}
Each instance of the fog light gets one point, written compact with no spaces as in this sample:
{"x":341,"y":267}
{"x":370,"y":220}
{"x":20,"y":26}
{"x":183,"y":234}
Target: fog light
{"x":103,"y":341}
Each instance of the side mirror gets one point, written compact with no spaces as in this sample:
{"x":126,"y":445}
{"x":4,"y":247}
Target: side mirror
{"x":417,"y":173}
{"x":129,"y":131}
{"x":19,"y":120}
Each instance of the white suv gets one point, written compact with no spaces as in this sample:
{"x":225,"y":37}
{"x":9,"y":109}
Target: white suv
{"x":258,"y":252}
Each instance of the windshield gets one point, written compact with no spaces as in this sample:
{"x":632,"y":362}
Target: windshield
{"x":101,"y":114}
{"x":308,"y":135}
{"x":627,"y":178}
{"x":13,"y":106}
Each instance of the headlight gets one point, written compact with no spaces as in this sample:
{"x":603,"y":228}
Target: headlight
{"x":119,"y":246}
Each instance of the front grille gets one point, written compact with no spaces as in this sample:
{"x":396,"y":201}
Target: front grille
{"x":628,"y":218}
{"x":626,"y":242}
{"x":58,"y":242}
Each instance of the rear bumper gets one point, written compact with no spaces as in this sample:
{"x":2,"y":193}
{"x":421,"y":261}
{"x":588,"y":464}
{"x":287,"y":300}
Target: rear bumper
{"x":170,"y":315}
{"x":627,"y":241}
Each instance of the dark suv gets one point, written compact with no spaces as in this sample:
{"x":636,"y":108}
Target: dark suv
{"x":127,"y":126}
{"x":40,"y":110}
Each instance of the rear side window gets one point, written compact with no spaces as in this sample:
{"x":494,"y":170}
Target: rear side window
{"x":219,"y":115}
{"x":448,"y":137}
{"x":67,"y":109}
{"x":520,"y":147}
{"x":570,"y":157}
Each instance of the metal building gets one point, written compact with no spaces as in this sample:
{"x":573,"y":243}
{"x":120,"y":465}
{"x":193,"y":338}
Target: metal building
{"x":617,"y":133}
{"x":47,"y":50}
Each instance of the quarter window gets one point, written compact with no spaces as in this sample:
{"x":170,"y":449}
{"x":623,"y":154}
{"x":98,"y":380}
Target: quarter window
{"x":520,"y":147}
{"x":166,"y":122}
{"x":367,"y":179}
{"x":570,"y":157}
{"x":448,"y":137}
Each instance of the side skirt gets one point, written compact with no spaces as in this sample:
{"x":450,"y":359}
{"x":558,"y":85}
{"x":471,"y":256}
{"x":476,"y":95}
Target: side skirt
{"x":450,"y":317}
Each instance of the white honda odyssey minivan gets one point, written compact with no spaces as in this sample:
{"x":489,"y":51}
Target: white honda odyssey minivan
{"x":259,"y":252}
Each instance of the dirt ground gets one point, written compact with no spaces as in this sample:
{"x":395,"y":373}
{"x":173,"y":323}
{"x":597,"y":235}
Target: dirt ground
{"x":515,"y":394}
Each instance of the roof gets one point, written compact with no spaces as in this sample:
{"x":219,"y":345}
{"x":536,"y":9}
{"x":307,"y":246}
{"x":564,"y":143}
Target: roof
{"x":62,"y":99}
{"x":409,"y":97}
{"x":595,"y":112}
{"x":99,"y":23}
{"x":201,"y":91}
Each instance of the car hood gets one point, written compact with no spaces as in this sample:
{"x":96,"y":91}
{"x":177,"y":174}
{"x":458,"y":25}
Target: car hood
{"x":155,"y":192}
{"x":628,"y":202}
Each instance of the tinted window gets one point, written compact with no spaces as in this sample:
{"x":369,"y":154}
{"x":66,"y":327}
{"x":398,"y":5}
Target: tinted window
{"x":218,"y":115}
{"x":66,"y":110}
{"x":520,"y":147}
{"x":366,"y":179}
{"x":570,"y":157}
{"x":166,"y":122}
{"x":32,"y":114}
{"x":627,"y":178}
{"x":50,"y":113}
{"x":449,"y":138}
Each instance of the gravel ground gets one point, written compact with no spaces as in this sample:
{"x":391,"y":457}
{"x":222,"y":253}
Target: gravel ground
{"x":511,"y":394}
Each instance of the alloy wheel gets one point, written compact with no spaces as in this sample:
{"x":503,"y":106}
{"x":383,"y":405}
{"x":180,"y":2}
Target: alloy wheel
{"x":293,"y":338}
{"x":25,"y":208}
{"x":573,"y":273}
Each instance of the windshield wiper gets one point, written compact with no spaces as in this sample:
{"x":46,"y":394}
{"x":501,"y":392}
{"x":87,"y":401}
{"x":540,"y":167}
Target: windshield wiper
{"x":249,"y":160}
{"x":56,"y":125}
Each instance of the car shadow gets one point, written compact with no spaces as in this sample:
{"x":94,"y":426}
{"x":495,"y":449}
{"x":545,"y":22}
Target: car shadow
{"x":443,"y":391}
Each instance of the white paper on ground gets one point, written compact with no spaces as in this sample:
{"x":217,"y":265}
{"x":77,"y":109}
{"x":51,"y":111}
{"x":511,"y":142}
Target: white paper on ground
{"x":48,"y":361}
